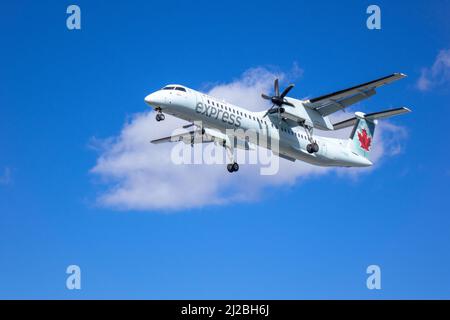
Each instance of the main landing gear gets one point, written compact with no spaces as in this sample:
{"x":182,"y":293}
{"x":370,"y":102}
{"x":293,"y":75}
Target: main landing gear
{"x":232,"y":167}
{"x":160,"y":116}
{"x":312,"y":147}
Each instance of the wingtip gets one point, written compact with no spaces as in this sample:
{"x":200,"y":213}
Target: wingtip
{"x":401,"y":74}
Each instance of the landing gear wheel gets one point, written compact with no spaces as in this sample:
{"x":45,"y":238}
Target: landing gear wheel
{"x":315,"y":147}
{"x":160,"y":117}
{"x":312,"y":148}
{"x":232,"y":167}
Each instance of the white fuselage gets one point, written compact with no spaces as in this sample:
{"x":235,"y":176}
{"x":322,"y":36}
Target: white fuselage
{"x":192,"y":106}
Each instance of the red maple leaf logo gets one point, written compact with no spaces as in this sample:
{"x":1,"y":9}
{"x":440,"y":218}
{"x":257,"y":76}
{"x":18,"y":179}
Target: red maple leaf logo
{"x":364,"y":139}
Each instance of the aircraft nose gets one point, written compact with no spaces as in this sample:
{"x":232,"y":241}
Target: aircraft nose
{"x":154,"y":99}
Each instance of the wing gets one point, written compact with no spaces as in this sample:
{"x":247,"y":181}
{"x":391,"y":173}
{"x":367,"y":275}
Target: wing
{"x":330,"y":103}
{"x":207,"y":135}
{"x":188,"y":137}
{"x":371,"y":116}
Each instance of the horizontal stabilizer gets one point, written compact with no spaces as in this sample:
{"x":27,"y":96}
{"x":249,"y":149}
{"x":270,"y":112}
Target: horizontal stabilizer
{"x":371,"y":116}
{"x":285,"y":157}
{"x":344,"y":124}
{"x":386,"y":114}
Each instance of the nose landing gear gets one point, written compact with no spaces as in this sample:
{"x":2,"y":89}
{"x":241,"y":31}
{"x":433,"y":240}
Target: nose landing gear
{"x":160,"y":116}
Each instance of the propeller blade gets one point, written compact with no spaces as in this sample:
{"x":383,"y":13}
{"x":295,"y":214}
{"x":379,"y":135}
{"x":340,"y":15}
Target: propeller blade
{"x":268,"y":111}
{"x":286,"y":91}
{"x":279,"y":116}
{"x":276,"y":88}
{"x":266,"y":97}
{"x":288,"y":103}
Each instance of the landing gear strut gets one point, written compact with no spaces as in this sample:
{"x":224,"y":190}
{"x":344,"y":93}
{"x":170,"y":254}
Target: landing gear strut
{"x":312,"y":147}
{"x":233,"y":166}
{"x":160,"y":116}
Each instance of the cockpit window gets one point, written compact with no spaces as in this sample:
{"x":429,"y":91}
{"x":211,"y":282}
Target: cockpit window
{"x":174,"y":88}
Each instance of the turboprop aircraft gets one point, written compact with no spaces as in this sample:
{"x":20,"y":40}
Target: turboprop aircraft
{"x":289,"y":123}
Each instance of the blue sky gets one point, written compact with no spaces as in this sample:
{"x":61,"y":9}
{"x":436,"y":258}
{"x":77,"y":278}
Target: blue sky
{"x":312,"y":238}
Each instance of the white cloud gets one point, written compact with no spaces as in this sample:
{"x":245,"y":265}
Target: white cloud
{"x":438,"y":74}
{"x":141,"y":176}
{"x":246,"y":91}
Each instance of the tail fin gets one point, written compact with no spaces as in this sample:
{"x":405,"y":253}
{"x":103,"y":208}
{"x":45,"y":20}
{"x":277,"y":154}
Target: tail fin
{"x":361,"y":138}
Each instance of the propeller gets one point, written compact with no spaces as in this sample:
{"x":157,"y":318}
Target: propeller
{"x":278,"y":99}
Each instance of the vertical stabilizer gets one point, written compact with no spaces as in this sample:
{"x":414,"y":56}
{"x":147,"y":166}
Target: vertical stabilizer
{"x":361,"y":138}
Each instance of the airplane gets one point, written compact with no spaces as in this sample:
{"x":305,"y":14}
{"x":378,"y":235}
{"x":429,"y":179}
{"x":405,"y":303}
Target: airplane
{"x":289,"y":122}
